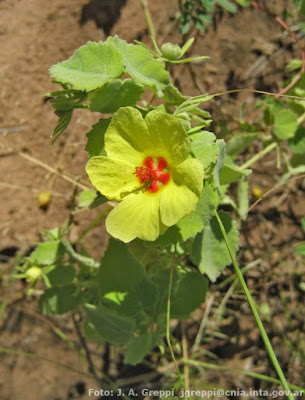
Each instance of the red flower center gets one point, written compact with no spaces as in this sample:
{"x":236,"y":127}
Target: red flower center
{"x":155,"y":174}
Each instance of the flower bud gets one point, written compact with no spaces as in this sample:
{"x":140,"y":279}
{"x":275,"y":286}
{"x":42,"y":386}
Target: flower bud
{"x":44,"y":199}
{"x":171,"y":51}
{"x":33,"y":274}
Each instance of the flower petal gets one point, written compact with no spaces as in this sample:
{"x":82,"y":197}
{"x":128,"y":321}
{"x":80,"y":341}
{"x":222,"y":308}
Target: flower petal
{"x":127,"y":138}
{"x":168,"y":137}
{"x":136,"y":216}
{"x":113,"y":179}
{"x":182,"y":193}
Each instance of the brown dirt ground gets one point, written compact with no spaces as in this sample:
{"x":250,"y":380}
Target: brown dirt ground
{"x":35,"y":34}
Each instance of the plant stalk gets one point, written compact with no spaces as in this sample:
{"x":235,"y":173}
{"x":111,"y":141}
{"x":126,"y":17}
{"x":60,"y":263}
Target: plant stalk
{"x":150,"y":24}
{"x":259,"y":155}
{"x":251,"y":303}
{"x":168,"y":340}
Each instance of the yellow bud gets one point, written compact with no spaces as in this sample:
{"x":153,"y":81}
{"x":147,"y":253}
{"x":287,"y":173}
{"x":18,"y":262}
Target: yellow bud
{"x":32,"y":274}
{"x":44,"y":199}
{"x":257,"y":192}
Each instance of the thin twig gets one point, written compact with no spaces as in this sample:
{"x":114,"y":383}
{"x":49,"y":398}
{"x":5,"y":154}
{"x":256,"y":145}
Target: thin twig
{"x":293,"y":36}
{"x":271,"y":190}
{"x":150,"y":24}
{"x":83,"y":342}
{"x":62,"y":174}
{"x":203,"y":324}
{"x":185,"y":355}
{"x":256,"y":91}
{"x":33,"y":356}
{"x":4,"y":131}
{"x":255,"y":313}
{"x":168,"y":315}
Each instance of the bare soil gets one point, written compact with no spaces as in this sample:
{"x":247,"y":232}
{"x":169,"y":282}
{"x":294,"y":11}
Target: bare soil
{"x":34,"y":35}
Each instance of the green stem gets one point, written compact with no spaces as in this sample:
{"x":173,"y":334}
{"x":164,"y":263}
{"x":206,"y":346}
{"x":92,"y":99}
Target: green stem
{"x":239,"y":372}
{"x":168,"y":311}
{"x":260,"y":325}
{"x":259,"y":155}
{"x":148,"y":19}
{"x":301,"y":119}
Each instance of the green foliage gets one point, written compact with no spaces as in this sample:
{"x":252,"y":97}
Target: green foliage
{"x":46,"y":253}
{"x":60,"y":300}
{"x":240,"y":142}
{"x":140,"y":347}
{"x":90,"y":67}
{"x":300,"y":6}
{"x":200,"y":12}
{"x":192,"y":224}
{"x":115,"y":94}
{"x":141,"y":65}
{"x":109,"y":325}
{"x":285,"y":124}
{"x":210,"y":252}
{"x":95,"y":144}
{"x":297,"y":142}
{"x":86,"y":198}
{"x":123,"y":298}
{"x":205,"y":148}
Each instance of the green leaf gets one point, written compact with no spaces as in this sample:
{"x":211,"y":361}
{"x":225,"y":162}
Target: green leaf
{"x":285,"y":124}
{"x":65,"y":117}
{"x":303,"y":224}
{"x":210,"y":252}
{"x":153,"y":259}
{"x":141,"y":346}
{"x":300,"y":6}
{"x":46,"y":253}
{"x":204,"y":147}
{"x":172,"y":95}
{"x":114,"y":328}
{"x":61,"y":275}
{"x":294,"y":65}
{"x":243,"y":197}
{"x":199,"y":25}
{"x":66,"y":99}
{"x":232,"y":173}
{"x":121,"y":272}
{"x":186,"y":46}
{"x":192,"y":224}
{"x":115,"y":94}
{"x":228,"y":5}
{"x":141,"y":65}
{"x":240,"y":142}
{"x":189,"y":288}
{"x":99,"y":200}
{"x":297,"y":143}
{"x":244,"y":3}
{"x":185,"y":27}
{"x":300,"y":249}
{"x":95,"y":144}
{"x":220,"y":161}
{"x":90,"y":67}
{"x":86,"y":198}
{"x":59,"y":300}
{"x":171,"y":236}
